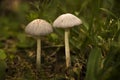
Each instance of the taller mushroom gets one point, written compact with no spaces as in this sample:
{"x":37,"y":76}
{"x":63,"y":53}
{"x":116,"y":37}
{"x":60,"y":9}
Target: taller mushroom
{"x":67,"y":21}
{"x":38,"y":28}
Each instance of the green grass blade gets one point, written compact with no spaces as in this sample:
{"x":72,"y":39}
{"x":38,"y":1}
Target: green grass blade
{"x":109,"y":12}
{"x":93,"y":65}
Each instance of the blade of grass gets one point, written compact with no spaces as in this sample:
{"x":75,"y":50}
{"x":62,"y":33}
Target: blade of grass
{"x":93,"y":65}
{"x":109,"y":12}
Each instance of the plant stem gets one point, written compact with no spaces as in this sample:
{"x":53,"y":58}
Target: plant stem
{"x":67,"y":49}
{"x":38,"y":57}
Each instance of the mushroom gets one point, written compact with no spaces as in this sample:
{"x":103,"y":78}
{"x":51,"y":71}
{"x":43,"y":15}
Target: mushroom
{"x":67,"y":21}
{"x":38,"y":28}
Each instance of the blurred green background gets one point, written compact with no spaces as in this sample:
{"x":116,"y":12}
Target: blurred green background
{"x":94,"y":45}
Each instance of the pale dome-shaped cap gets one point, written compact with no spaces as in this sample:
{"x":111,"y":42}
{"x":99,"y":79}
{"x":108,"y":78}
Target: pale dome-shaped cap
{"x":38,"y":27}
{"x":66,"y":21}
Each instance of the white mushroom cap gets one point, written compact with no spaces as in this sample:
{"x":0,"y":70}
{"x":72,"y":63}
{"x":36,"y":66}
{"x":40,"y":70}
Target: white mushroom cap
{"x":66,"y":21}
{"x":38,"y":27}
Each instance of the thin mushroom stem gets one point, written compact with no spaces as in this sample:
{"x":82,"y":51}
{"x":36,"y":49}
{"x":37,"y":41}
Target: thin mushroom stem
{"x":38,"y":57}
{"x":67,"y":49}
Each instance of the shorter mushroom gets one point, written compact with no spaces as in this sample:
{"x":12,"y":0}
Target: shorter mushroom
{"x":67,"y":21}
{"x":38,"y":28}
